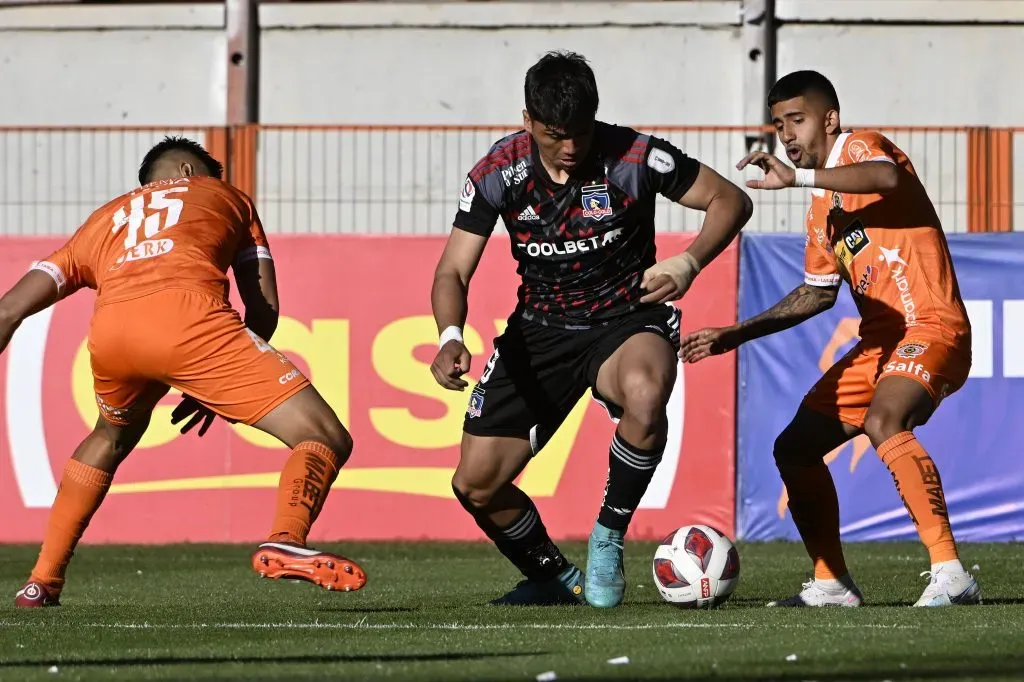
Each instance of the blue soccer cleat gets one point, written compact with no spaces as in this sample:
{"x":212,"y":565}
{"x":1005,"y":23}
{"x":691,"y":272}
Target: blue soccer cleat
{"x":606,"y":579}
{"x":567,"y":588}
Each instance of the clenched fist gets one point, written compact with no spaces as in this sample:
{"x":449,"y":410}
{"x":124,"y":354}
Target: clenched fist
{"x":669,"y":279}
{"x":450,"y":363}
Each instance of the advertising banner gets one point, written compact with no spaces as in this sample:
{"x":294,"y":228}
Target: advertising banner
{"x":356,"y":317}
{"x":974,"y":437}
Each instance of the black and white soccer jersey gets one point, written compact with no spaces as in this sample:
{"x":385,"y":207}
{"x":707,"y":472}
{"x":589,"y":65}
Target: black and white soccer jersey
{"x":582,"y":247}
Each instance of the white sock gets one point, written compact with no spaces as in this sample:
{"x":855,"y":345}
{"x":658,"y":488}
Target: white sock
{"x":953,"y":566}
{"x":835,"y":585}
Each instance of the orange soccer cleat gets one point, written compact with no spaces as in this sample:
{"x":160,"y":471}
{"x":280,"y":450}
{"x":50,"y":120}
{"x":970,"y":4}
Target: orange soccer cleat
{"x":278,"y":560}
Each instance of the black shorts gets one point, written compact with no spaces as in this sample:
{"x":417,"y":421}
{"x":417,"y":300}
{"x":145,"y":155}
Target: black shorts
{"x":538,"y":373}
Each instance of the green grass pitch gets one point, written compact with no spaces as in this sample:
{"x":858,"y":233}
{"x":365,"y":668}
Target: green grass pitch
{"x":197,"y":612}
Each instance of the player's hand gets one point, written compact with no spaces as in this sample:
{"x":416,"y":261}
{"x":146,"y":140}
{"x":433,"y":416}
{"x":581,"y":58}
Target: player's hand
{"x":777,"y":174}
{"x":669,"y":279}
{"x":451,"y":362}
{"x":707,"y":342}
{"x":190,"y":406}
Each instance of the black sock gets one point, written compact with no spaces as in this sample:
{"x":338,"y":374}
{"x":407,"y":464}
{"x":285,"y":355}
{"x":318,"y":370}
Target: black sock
{"x":527,"y":545}
{"x":630,"y":471}
{"x":525,"y":542}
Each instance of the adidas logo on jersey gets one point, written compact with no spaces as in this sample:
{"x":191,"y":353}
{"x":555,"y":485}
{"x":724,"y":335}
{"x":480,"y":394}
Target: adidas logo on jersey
{"x":528,"y":214}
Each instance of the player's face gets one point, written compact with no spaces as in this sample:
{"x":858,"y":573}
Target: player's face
{"x":560,"y":149}
{"x":803,"y":126}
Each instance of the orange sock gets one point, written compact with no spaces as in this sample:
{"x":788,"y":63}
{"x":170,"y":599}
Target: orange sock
{"x":82,"y":489}
{"x":305,"y":481}
{"x":815,"y":509}
{"x":918,"y":483}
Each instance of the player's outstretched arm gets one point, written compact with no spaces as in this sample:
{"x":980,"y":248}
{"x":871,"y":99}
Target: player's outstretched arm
{"x":449,"y":301}
{"x":35,"y":291}
{"x":879,"y":176}
{"x":727,"y":209}
{"x":799,"y":305}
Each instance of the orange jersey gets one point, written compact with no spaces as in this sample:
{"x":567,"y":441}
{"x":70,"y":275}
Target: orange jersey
{"x":890,"y":249}
{"x":173,"y":234}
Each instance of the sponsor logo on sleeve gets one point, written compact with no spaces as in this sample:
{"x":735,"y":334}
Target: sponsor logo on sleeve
{"x":466,"y":196}
{"x":661,"y":161}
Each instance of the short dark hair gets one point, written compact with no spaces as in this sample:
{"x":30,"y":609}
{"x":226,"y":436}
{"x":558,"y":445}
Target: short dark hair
{"x":803,"y":83}
{"x":561,"y":91}
{"x":179,"y":143}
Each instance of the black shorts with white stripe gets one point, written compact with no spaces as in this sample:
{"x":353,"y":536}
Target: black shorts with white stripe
{"x":538,"y":373}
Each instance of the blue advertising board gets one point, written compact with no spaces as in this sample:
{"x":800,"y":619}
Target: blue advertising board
{"x":976,"y":437}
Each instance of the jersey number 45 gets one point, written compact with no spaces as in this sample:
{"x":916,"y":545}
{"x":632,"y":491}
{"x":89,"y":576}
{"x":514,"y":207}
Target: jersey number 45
{"x":134,"y":215}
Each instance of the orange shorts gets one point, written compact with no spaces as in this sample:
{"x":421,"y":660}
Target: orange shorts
{"x":193,"y":342}
{"x":846,"y":389}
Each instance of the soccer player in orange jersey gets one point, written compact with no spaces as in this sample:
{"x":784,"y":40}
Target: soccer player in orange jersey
{"x":871,"y":224}
{"x":158,"y":258}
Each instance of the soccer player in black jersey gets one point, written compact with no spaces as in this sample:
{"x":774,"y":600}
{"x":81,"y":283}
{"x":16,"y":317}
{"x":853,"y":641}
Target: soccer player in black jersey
{"x":577,"y":197}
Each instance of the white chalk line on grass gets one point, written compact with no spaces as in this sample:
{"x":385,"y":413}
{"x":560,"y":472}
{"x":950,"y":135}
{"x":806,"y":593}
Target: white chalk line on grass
{"x":469,"y":627}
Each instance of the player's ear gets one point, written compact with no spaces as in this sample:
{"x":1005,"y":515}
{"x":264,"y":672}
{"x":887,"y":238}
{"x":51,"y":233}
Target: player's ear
{"x":832,"y":122}
{"x":527,"y":122}
{"x":186,"y":169}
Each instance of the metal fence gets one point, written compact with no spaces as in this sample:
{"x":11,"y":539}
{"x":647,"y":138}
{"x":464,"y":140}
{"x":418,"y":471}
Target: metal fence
{"x":398,"y":179}
{"x":52,"y":179}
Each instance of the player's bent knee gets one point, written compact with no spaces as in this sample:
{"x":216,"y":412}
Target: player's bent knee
{"x":306,"y":416}
{"x":323,"y":429}
{"x":318,"y":422}
{"x":644,"y":398}
{"x":475,"y":486}
{"x":472,"y":495}
{"x":335,"y":436}
{"x":881,"y":424}
{"x":791,"y":450}
{"x":783,"y":449}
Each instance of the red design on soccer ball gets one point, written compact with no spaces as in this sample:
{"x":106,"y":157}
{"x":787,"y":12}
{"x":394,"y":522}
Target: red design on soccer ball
{"x":667,"y":575}
{"x":732,"y":565}
{"x":699,"y":546}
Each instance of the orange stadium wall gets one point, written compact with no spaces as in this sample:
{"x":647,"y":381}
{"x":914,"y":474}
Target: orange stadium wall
{"x":356,"y":317}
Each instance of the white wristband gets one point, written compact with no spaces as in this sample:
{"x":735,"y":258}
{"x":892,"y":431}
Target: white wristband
{"x":451,"y":333}
{"x":804,"y":177}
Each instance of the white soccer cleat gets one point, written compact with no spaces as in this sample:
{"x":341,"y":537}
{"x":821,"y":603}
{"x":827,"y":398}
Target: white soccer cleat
{"x":814,"y":594}
{"x":950,"y":588}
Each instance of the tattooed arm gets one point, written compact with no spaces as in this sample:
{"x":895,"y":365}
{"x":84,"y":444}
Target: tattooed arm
{"x":801,"y":304}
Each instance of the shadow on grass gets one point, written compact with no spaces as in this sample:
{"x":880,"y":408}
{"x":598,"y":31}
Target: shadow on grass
{"x":367,"y":609}
{"x":963,"y":670}
{"x":996,"y":601}
{"x":298,"y":659}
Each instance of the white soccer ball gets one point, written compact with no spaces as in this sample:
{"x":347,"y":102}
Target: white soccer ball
{"x":696,"y":567}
